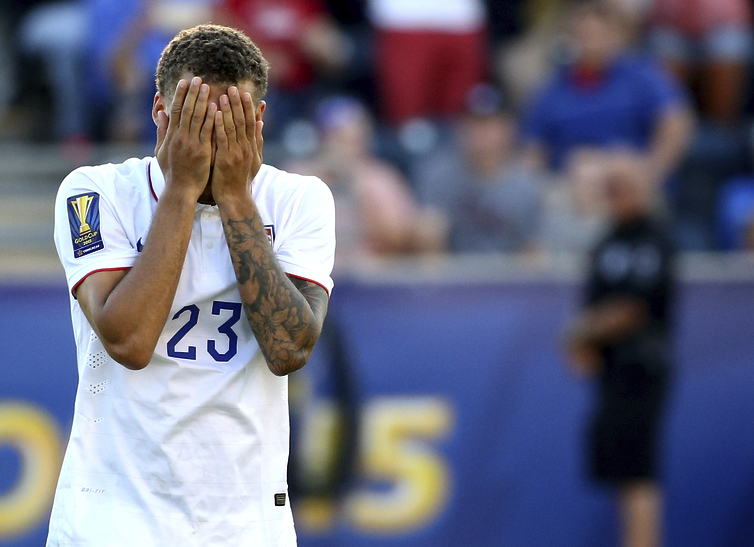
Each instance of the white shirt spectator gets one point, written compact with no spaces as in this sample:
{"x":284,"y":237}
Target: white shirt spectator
{"x":459,"y":16}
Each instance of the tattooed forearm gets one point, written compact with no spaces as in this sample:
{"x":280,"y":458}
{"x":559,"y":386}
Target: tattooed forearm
{"x":286,"y":315}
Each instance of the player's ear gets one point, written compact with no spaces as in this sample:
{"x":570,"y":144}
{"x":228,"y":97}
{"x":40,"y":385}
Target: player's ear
{"x":260,"y":110}
{"x":159,"y":104}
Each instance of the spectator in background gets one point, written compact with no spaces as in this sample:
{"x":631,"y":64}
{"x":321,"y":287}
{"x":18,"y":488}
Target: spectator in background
{"x":621,"y":337}
{"x":375,"y":212}
{"x":606,"y":99}
{"x":708,"y":45}
{"x":574,"y":212}
{"x":428,"y":55}
{"x":301,"y":41}
{"x":56,"y":33}
{"x":492,"y":201}
{"x":127,"y":40}
{"x":523,"y":63}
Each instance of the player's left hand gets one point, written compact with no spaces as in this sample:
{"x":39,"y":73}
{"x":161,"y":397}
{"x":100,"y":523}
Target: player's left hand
{"x":238,"y":135}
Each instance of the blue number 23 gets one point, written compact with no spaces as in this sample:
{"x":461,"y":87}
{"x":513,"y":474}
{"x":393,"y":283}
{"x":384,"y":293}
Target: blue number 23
{"x":226,"y":328}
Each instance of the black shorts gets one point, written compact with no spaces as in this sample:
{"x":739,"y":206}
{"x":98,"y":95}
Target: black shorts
{"x":624,"y":433}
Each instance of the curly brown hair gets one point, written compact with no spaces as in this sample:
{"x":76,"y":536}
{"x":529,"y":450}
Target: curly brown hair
{"x":215,"y":53}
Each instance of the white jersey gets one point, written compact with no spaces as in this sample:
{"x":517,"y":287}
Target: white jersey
{"x":452,"y":16}
{"x":192,"y":450}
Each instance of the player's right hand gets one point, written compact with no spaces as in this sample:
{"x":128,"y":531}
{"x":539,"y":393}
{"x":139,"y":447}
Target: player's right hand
{"x":184,"y":138}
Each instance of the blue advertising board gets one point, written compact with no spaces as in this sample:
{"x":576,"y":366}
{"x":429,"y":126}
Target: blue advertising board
{"x":468,"y":427}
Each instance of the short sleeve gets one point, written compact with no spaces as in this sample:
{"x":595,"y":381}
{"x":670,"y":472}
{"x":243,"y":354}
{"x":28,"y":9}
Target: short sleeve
{"x":307,"y":248}
{"x":89,"y":235}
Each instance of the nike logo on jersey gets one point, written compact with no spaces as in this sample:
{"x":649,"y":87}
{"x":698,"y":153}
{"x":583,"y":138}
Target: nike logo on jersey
{"x":139,"y":245}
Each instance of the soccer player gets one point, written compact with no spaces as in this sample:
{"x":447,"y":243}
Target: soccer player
{"x":621,"y":337}
{"x":199,"y":279}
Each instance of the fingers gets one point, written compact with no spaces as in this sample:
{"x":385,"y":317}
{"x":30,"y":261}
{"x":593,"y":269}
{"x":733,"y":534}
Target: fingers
{"x":177,"y":106}
{"x":239,"y":119}
{"x":235,"y":121}
{"x":237,"y":108}
{"x":189,"y":104}
{"x":221,"y":137}
{"x":227,"y":115}
{"x":250,"y":115}
{"x":209,"y":122}
{"x":198,"y":118}
{"x":192,"y":107}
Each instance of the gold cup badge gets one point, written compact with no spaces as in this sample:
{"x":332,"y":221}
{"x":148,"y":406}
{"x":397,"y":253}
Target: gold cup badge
{"x":81,"y":208}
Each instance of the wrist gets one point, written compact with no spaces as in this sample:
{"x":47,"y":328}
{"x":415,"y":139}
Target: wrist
{"x":181,"y":198}
{"x":186,"y":184}
{"x":232,"y":198}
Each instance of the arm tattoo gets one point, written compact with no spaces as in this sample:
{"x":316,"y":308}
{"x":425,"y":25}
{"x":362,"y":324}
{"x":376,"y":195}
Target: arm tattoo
{"x":285,"y":314}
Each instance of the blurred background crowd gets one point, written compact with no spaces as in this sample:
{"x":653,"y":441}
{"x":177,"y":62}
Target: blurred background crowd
{"x":468,"y":126}
{"x":461,"y":127}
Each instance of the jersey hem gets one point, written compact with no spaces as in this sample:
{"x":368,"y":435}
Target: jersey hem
{"x":307,"y":274}
{"x":149,"y":179}
{"x":310,"y":281}
{"x":80,"y":281}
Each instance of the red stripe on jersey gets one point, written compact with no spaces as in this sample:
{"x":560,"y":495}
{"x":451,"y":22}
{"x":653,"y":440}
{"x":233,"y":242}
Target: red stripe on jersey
{"x":310,"y":281}
{"x":149,"y":177}
{"x":80,"y":281}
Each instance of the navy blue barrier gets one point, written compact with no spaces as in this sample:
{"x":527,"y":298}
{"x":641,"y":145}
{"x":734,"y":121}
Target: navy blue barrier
{"x":469,"y":425}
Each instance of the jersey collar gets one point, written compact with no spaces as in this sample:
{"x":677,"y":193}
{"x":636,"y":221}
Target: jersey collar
{"x":156,"y":178}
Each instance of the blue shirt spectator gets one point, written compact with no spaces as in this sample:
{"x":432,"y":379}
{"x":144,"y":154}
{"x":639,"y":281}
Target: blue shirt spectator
{"x":608,"y":103}
{"x":617,"y":107}
{"x":127,"y":39}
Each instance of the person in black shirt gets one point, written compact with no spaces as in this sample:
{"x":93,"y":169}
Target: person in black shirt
{"x":621,"y":337}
